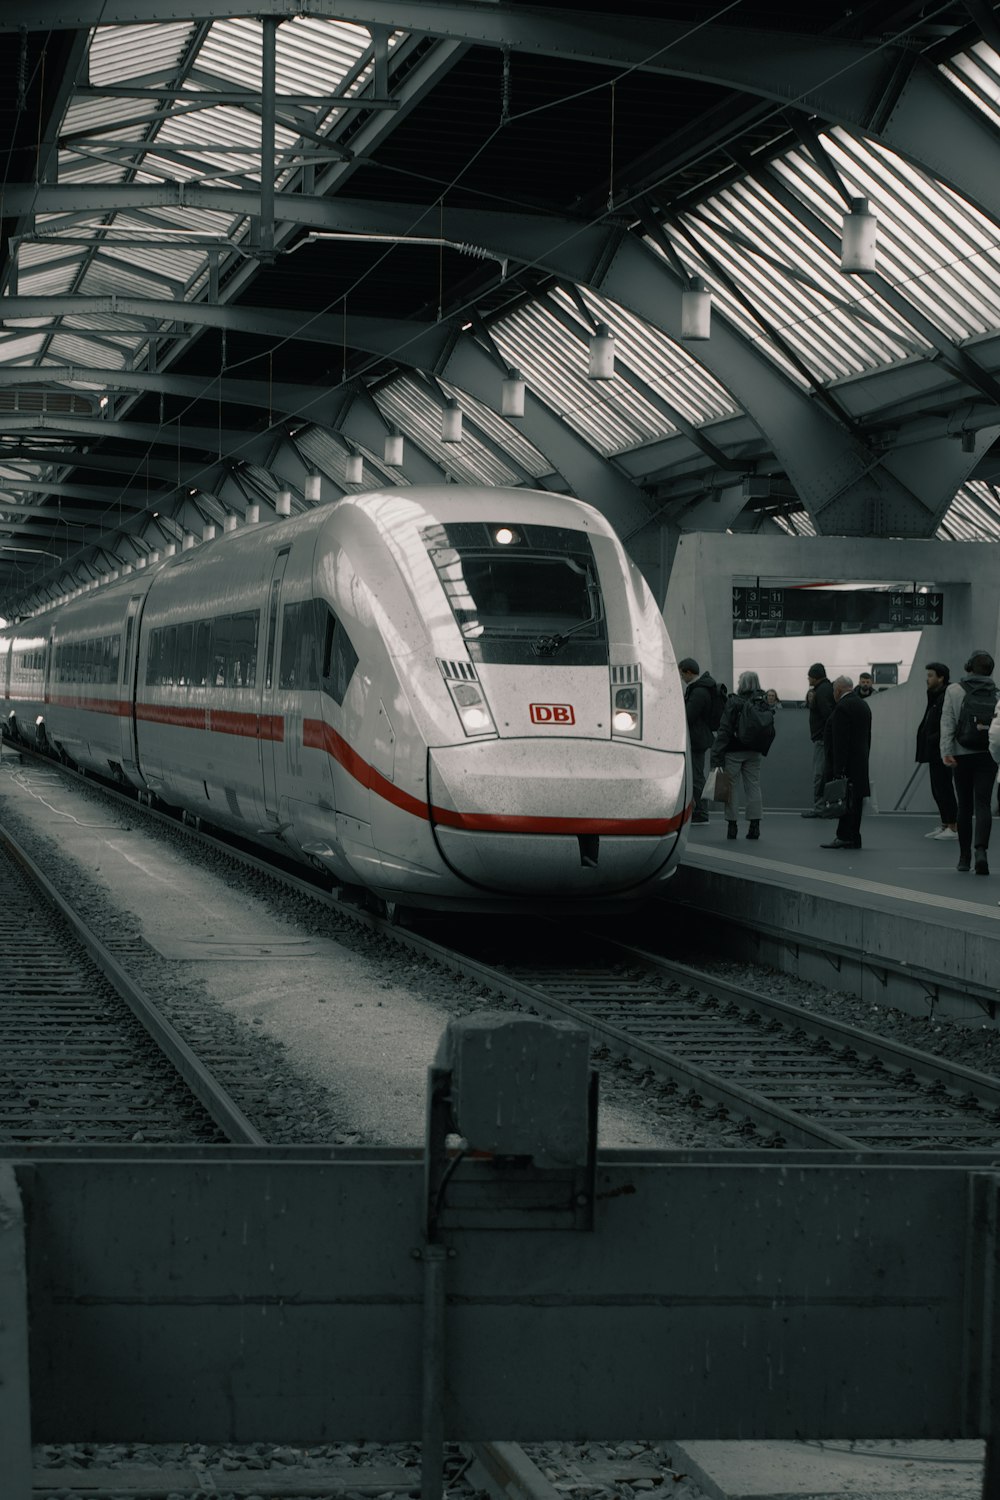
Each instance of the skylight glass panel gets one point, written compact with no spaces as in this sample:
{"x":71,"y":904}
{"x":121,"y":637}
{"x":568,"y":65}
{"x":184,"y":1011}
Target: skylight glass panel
{"x":21,"y":349}
{"x":663,"y":363}
{"x":84,"y":352}
{"x":976,"y":74}
{"x":505,"y":434}
{"x":408,"y":405}
{"x":973,"y":515}
{"x":553,"y":359}
{"x":835,"y":323}
{"x":934,"y":248}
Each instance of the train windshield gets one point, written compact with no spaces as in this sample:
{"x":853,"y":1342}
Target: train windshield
{"x":521,"y":593}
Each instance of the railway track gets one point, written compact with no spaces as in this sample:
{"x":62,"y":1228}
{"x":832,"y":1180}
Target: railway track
{"x":786,"y":1075}
{"x":85,"y":1056}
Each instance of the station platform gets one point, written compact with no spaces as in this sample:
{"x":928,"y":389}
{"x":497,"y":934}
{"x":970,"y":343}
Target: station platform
{"x":894,"y":921}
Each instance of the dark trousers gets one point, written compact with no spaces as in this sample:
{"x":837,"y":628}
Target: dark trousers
{"x":943,"y":789}
{"x":975,"y":774}
{"x":849,"y":826}
{"x":698,"y":779}
{"x":819,"y":772}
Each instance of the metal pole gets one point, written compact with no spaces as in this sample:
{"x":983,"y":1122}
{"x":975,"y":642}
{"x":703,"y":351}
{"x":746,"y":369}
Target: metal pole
{"x":267,"y":110}
{"x":432,"y":1432}
{"x":15,"y":1414}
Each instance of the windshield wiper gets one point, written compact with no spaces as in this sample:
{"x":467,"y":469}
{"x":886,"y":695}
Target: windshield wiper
{"x":548,"y":645}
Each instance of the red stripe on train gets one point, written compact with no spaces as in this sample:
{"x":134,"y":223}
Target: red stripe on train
{"x":320,"y":736}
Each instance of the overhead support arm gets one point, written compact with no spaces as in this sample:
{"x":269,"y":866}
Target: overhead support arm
{"x":267,"y":84}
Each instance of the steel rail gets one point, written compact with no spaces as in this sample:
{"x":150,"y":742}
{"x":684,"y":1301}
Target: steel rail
{"x":792,"y":1126}
{"x":210,"y":1093}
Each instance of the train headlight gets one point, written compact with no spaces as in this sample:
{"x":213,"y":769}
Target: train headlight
{"x":472,"y":707}
{"x":504,"y":536}
{"x":626,"y":711}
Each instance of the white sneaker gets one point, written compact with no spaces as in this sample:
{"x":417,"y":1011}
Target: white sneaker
{"x":947,"y":833}
{"x":935,"y":833}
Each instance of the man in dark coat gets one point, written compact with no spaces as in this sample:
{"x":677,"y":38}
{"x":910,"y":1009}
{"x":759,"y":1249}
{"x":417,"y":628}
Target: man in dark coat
{"x":820,"y":708}
{"x":700,"y":692}
{"x":848,"y":746}
{"x":929,"y":753}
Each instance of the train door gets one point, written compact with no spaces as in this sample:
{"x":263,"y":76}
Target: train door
{"x":271,"y":721}
{"x":127,"y":685}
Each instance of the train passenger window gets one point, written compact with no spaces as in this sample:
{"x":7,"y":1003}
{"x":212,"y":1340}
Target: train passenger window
{"x":222,"y":650}
{"x":168,"y":654}
{"x":202,"y":658}
{"x":106,"y":659}
{"x":299,"y":647}
{"x":185,"y":650}
{"x":244,"y":637}
{"x":339,"y":658}
{"x":152,"y":657}
{"x":113,"y":657}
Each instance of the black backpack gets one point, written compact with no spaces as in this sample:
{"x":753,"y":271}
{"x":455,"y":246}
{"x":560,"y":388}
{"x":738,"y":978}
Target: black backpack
{"x":975,"y":716}
{"x":717,"y":707}
{"x":755,"y":725}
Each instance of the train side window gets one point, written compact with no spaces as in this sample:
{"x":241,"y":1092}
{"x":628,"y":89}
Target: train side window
{"x":185,"y":650}
{"x":202,"y":659}
{"x":151,"y":658}
{"x":113,"y":658}
{"x":222,"y":650}
{"x":105,"y":659}
{"x":299,"y":647}
{"x":244,"y":637}
{"x":339,"y":658}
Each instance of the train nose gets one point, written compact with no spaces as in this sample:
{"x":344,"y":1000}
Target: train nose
{"x":556,"y":817}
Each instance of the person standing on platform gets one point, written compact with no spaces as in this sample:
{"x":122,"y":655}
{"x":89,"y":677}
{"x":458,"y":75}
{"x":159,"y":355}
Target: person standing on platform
{"x":744,"y":737}
{"x":966,"y":718}
{"x":848,"y":740}
{"x":820,"y":701}
{"x":866,"y":685}
{"x":929,"y":753}
{"x":702,"y":704}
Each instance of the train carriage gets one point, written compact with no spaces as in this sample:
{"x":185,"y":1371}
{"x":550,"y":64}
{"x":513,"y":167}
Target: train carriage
{"x":451,"y":696}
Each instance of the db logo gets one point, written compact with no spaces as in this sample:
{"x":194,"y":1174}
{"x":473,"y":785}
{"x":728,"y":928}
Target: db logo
{"x":551,"y":713}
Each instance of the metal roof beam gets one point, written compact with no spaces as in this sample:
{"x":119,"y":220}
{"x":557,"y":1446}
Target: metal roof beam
{"x":879,"y":89}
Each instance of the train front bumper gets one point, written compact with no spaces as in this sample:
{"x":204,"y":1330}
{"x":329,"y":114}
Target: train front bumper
{"x":557,"y":816}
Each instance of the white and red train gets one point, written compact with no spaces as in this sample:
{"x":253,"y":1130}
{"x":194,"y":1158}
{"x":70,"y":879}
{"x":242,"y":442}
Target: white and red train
{"x":453,"y":697}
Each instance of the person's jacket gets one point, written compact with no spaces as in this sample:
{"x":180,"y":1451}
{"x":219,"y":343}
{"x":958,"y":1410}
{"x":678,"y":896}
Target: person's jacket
{"x":698,"y":699}
{"x":726,"y":736}
{"x":847,"y":741}
{"x":954,"y":697}
{"x":995,"y":736}
{"x":929,"y":728}
{"x":820,"y":708}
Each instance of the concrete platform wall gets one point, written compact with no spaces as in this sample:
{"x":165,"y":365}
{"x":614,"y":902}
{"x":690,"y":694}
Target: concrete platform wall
{"x":698,"y":614}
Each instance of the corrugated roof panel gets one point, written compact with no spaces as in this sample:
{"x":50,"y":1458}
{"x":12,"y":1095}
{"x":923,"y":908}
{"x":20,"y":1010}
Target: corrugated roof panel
{"x":409,"y":405}
{"x":48,"y":270}
{"x":663,"y":363}
{"x":25,"y":349}
{"x":75,"y":350}
{"x":554,"y":359}
{"x":798,"y":524}
{"x":164,"y":262}
{"x":108,"y":273}
{"x":837,"y":325}
{"x":311,"y":56}
{"x":145,"y":54}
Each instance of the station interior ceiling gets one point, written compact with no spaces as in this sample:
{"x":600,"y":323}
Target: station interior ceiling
{"x":241,"y":255}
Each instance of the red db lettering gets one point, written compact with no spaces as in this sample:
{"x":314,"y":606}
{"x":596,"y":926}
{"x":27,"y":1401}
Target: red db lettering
{"x":551,"y":713}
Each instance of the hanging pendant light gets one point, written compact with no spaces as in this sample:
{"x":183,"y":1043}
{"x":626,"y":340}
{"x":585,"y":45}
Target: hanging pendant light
{"x":393,"y":451}
{"x":512,"y":395}
{"x":696,"y":310}
{"x":451,"y":423}
{"x":283,"y":504}
{"x":857,"y":245}
{"x":207,"y":535}
{"x":354,"y":469}
{"x":229,"y":524}
{"x":314,"y":488}
{"x":188,"y":541}
{"x":252,"y":517}
{"x":602,"y":354}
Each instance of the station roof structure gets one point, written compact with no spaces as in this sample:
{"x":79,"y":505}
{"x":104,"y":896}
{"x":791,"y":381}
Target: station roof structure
{"x":243,"y":244}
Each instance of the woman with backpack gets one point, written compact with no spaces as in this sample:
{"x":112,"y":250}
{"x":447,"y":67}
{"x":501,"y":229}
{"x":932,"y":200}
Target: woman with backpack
{"x":966,"y":716}
{"x":742,"y":740}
